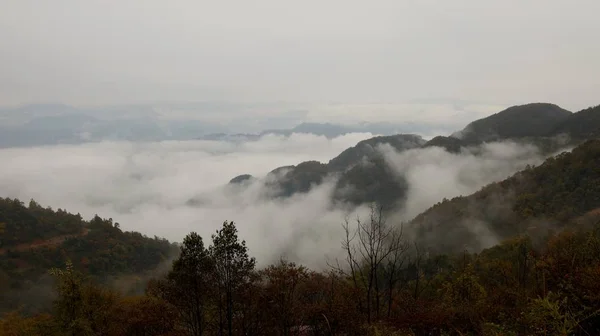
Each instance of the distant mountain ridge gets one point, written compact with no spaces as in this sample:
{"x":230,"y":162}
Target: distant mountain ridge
{"x":363,"y":176}
{"x":328,"y":130}
{"x":55,"y":124}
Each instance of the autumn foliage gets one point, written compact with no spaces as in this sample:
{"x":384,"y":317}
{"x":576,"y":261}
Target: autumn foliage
{"x":514,"y":288}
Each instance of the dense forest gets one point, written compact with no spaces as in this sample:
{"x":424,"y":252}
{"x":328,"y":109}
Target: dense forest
{"x":385,"y":286}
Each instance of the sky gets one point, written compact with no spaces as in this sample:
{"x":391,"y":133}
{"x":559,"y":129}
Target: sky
{"x":146,"y":187}
{"x":99,"y":52}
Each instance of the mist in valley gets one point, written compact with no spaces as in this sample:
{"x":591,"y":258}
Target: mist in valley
{"x":147,"y":187}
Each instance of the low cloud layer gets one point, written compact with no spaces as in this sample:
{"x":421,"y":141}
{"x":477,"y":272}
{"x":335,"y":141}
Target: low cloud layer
{"x":434,"y":174}
{"x":147,"y":187}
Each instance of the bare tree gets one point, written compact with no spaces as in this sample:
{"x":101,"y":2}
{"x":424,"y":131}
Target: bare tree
{"x":369,"y":245}
{"x":393,"y":266}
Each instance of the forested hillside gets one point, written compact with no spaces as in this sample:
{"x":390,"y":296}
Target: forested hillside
{"x":26,"y":224}
{"x":581,"y":125}
{"x":540,"y":198}
{"x":36,"y":239}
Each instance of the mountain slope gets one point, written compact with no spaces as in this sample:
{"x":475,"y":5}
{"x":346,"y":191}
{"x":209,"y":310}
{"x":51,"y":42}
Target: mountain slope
{"x":546,"y":197}
{"x":581,"y":125}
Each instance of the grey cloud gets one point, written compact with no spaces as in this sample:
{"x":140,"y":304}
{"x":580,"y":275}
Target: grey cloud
{"x":98,"y":52}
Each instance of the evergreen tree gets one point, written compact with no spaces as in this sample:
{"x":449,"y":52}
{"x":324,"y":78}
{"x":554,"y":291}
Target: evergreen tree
{"x":233,"y":268}
{"x":188,"y":285}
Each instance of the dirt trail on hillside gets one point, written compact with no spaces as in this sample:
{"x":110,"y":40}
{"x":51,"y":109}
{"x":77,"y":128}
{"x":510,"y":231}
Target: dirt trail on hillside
{"x":52,"y":242}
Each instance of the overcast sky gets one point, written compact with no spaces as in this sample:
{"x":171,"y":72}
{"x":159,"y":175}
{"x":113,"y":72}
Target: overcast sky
{"x":109,"y":52}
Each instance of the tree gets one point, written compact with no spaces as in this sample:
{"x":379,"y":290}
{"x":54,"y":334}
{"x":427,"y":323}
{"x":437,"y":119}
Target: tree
{"x":2,"y":229}
{"x":367,"y":247}
{"x":82,"y":308}
{"x":233,"y":268}
{"x":283,"y":294}
{"x":393,"y":266}
{"x":189,"y":284}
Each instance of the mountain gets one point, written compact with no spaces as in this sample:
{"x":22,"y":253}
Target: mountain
{"x":328,"y":130}
{"x":52,"y":124}
{"x":543,"y":198}
{"x":530,"y":120}
{"x":362,"y":174}
{"x":34,"y":239}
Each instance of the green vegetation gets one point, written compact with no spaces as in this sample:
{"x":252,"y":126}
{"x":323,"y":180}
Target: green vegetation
{"x":581,"y":125}
{"x":26,"y":224}
{"x":37,"y":239}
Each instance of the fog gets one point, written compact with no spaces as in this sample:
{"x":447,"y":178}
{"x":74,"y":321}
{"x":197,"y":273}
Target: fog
{"x":147,"y":187}
{"x":434,"y":174}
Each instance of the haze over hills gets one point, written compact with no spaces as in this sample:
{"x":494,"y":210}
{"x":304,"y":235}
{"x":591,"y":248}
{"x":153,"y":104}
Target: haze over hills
{"x":50,"y":124}
{"x":545,"y":126}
